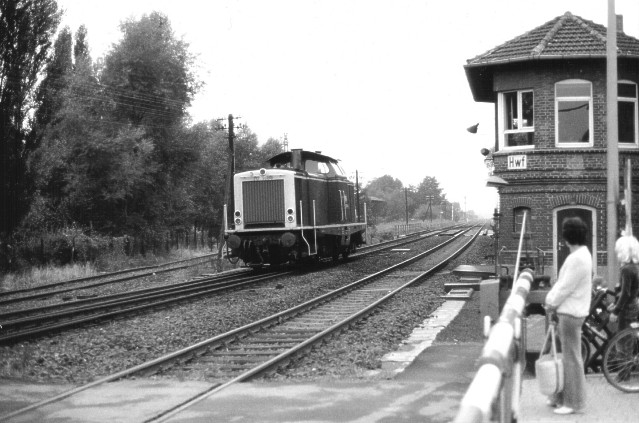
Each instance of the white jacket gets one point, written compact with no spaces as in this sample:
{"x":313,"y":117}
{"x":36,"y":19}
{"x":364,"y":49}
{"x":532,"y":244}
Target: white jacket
{"x":572,"y":291}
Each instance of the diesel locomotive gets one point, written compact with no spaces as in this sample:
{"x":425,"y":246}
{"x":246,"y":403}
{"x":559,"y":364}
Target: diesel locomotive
{"x":300,"y":206}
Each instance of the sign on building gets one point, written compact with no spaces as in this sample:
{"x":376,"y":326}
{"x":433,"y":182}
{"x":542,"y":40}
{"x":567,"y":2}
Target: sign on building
{"x":517,"y":162}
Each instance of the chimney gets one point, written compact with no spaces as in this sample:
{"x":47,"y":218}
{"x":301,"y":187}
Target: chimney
{"x":620,"y":23}
{"x":296,"y":158}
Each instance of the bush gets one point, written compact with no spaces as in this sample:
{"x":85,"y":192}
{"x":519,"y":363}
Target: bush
{"x":61,"y":247}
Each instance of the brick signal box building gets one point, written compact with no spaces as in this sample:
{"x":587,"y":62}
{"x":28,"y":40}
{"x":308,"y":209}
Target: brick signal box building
{"x":549,"y":91}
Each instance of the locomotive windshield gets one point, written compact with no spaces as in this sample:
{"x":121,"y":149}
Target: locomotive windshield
{"x":314,"y":163}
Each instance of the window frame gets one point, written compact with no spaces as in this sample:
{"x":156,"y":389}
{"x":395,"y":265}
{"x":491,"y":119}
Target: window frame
{"x":519,"y":211}
{"x":590,"y":142}
{"x":635,"y":143}
{"x":501,"y":119}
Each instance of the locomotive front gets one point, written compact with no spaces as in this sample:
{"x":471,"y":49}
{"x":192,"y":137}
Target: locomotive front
{"x":283,"y":212}
{"x":264,"y":216}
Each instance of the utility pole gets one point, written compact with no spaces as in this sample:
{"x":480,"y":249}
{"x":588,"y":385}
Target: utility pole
{"x":406,"y":196}
{"x":228,"y":188}
{"x":612,"y":149}
{"x":430,"y":199}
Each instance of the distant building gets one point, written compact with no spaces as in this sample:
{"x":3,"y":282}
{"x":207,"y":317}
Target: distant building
{"x":549,"y":91}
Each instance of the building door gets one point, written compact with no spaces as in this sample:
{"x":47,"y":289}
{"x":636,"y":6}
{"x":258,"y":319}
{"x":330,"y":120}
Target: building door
{"x":561,"y":250}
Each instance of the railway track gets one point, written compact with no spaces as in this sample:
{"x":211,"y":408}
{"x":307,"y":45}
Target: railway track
{"x":269,"y":343}
{"x":61,"y":287}
{"x":49,"y":290}
{"x":26,"y":323}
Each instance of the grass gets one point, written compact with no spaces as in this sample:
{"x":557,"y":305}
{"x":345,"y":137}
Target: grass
{"x":41,"y":275}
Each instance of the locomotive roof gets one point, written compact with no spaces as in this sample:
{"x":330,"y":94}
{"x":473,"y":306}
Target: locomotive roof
{"x":306,"y":155}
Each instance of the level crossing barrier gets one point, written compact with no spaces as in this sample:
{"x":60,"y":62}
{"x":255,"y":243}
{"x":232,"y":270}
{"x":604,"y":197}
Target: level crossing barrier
{"x":494,"y":392}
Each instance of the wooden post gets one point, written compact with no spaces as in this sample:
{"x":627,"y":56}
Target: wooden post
{"x":628,"y":196}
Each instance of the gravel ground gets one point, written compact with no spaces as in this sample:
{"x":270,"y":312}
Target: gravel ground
{"x":359,"y":351}
{"x":87,"y":353}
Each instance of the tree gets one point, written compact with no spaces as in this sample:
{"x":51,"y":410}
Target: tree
{"x":429,"y":187}
{"x":26,"y":31}
{"x":149,"y":75}
{"x":270,"y":148}
{"x":150,"y":80}
{"x":49,"y":96}
{"x":384,"y":187}
{"x":391,"y":190}
{"x":88,"y":168}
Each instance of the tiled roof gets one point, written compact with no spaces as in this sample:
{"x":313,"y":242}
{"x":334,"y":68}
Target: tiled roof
{"x":565,"y":36}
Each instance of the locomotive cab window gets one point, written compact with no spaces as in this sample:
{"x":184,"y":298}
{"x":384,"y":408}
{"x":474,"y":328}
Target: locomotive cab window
{"x":321,"y":168}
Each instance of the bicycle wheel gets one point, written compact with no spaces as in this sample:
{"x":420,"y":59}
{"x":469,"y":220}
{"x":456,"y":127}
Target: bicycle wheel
{"x":621,"y":361}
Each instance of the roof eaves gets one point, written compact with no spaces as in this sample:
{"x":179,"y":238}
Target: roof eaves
{"x":500,"y":46}
{"x":531,"y":58}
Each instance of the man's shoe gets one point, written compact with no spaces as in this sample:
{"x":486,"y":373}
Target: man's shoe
{"x":563,"y":410}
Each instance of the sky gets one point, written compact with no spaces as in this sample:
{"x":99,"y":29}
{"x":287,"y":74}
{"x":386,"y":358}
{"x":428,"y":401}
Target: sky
{"x":377,"y":84}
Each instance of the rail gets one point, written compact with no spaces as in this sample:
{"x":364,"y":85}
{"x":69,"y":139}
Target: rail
{"x":497,"y":383}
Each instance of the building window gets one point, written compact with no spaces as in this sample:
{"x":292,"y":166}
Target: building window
{"x":518,"y":220}
{"x":627,"y":113}
{"x":573,"y":117}
{"x":516,"y":119}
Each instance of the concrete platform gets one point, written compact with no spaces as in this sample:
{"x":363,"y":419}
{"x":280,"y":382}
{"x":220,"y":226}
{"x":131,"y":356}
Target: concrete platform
{"x":604,"y":404}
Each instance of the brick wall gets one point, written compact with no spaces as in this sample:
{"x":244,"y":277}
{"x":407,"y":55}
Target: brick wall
{"x":556,"y":178}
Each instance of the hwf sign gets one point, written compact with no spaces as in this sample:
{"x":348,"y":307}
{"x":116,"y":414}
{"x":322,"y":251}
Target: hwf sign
{"x":517,"y":162}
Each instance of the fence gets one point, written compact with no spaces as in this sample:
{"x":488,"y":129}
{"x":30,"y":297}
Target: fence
{"x":403,"y":230}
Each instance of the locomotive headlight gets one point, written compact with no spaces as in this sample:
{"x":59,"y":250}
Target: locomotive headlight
{"x":288,"y":239}
{"x":238,"y":213}
{"x":234,"y":241}
{"x":290,"y":219}
{"x":238,"y":221}
{"x":289,"y":211}
{"x":262,"y":171}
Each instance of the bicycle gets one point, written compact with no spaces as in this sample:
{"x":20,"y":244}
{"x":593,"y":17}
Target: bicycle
{"x":596,"y":331}
{"x":619,"y":352}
